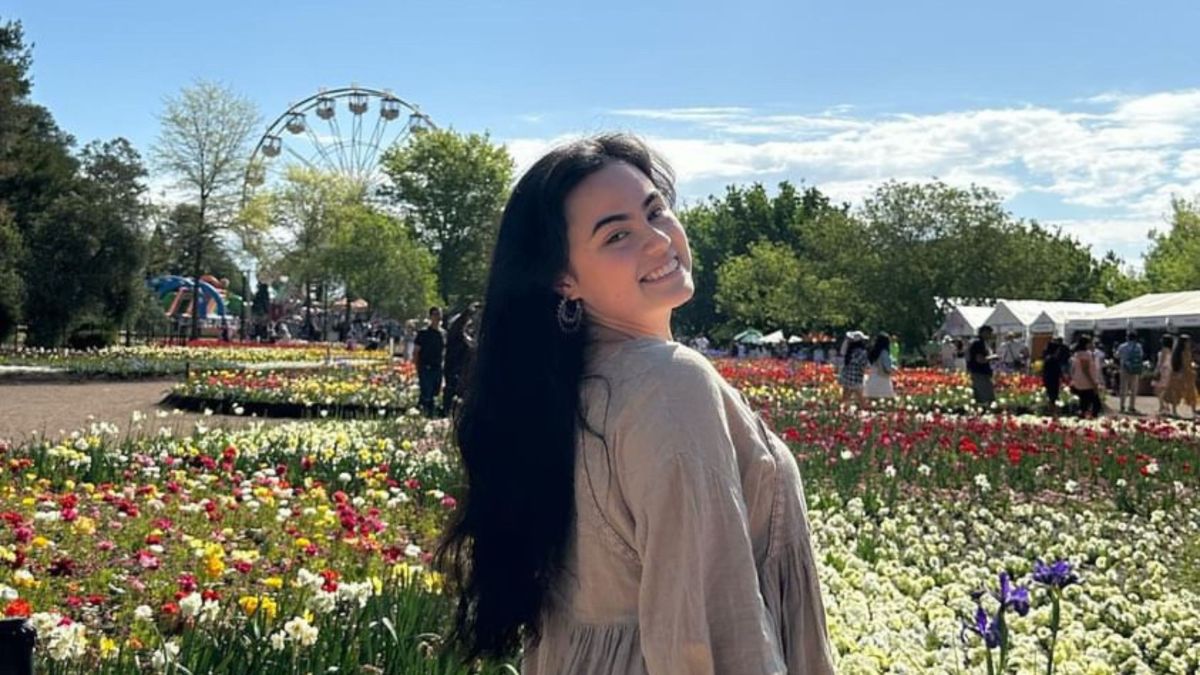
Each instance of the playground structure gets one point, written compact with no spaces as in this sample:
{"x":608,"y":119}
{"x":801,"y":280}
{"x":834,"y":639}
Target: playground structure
{"x":218,"y":305}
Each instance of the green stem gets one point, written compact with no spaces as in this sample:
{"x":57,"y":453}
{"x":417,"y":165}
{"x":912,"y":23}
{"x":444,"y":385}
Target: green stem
{"x":1055,"y":618}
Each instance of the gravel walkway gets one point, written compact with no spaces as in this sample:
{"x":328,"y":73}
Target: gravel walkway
{"x":50,"y":407}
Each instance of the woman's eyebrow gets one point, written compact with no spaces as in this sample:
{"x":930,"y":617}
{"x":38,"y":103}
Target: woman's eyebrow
{"x":617,"y":217}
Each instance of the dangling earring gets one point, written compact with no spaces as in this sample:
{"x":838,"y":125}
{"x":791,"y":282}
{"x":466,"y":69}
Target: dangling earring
{"x":570,"y":315}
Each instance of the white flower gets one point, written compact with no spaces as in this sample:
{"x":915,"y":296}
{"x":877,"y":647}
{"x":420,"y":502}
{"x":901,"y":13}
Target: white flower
{"x":412,"y":550}
{"x":143,"y":612}
{"x":301,"y":631}
{"x":1071,"y":487}
{"x":164,"y":656}
{"x":68,"y":642}
{"x":278,"y":640}
{"x":190,"y":605}
{"x":981,"y":481}
{"x":890,"y":471}
{"x":924,"y":470}
{"x":846,"y":455}
{"x":1152,"y":467}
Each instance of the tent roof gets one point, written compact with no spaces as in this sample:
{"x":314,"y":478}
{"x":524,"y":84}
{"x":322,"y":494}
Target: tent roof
{"x":1154,"y":305}
{"x":1026,"y":312}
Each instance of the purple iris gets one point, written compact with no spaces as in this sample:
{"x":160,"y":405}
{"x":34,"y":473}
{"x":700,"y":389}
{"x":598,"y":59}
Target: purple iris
{"x":1057,"y":574}
{"x":1012,"y":596}
{"x":984,"y":627}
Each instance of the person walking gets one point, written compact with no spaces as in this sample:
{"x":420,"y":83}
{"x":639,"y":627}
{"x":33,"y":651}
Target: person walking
{"x":879,"y":376}
{"x":1182,"y":385}
{"x":1162,"y":374}
{"x":979,"y":364}
{"x":1130,"y":357}
{"x":1085,"y":378}
{"x":428,"y":349}
{"x":1055,"y":361}
{"x":854,"y":366}
{"x":625,"y":510}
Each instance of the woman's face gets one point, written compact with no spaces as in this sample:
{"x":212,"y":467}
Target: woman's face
{"x":629,"y":260}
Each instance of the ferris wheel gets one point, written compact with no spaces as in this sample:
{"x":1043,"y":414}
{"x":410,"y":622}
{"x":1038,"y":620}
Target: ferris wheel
{"x":341,"y":131}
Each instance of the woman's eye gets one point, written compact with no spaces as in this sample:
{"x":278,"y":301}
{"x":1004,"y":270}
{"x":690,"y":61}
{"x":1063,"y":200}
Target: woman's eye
{"x":617,"y":236}
{"x":657,"y":212}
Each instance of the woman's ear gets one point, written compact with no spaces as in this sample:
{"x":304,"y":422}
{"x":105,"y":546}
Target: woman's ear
{"x":567,"y":286}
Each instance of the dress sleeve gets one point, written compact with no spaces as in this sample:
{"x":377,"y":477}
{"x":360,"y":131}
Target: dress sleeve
{"x":700,"y":609}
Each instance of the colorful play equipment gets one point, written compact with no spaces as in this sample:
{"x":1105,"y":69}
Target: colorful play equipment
{"x":217,"y":301}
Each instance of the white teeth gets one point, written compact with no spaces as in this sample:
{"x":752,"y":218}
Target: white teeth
{"x":663,"y":271}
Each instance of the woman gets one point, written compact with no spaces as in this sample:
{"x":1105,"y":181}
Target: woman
{"x":1181,"y":387}
{"x":879,"y":376}
{"x":625,"y":510}
{"x":960,"y":356}
{"x":854,"y":367}
{"x":1162,"y":374}
{"x":1085,"y":378}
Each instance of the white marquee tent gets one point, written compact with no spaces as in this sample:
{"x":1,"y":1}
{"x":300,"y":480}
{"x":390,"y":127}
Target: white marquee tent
{"x":964,"y":320}
{"x":1054,"y":322}
{"x":1155,"y":311}
{"x":1018,"y":316}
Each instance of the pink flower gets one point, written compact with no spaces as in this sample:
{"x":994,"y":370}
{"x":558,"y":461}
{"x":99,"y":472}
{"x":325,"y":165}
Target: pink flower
{"x":148,"y":560}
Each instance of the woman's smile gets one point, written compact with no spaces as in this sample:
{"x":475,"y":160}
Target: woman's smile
{"x":670,"y":269}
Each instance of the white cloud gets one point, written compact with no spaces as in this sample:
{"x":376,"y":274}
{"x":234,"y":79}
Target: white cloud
{"x":1116,"y":159}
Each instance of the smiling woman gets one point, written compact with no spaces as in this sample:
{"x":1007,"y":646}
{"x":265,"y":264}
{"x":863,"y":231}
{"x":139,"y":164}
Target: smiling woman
{"x":625,"y":510}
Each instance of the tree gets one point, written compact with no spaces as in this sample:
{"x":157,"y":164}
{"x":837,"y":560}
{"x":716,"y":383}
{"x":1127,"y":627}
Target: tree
{"x":85,"y":256}
{"x":204,"y":143}
{"x":376,"y":258}
{"x":11,"y":287}
{"x":177,"y":240}
{"x":725,"y":228}
{"x":453,"y":188}
{"x":304,"y":212}
{"x":1173,"y":261}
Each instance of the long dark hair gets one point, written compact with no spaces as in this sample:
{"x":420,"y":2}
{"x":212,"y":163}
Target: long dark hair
{"x":882,"y":344}
{"x":1182,"y":351}
{"x":517,"y":429}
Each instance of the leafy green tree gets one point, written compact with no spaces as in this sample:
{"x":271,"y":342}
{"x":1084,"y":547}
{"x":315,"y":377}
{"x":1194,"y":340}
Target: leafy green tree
{"x":453,"y":187}
{"x":174,"y":240}
{"x":1173,"y":261}
{"x":204,"y":143}
{"x":11,"y":285}
{"x":376,"y":258}
{"x":85,"y":251}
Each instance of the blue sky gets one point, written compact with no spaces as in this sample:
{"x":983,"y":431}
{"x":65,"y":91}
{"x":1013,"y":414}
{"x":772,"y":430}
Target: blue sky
{"x":1082,"y":114}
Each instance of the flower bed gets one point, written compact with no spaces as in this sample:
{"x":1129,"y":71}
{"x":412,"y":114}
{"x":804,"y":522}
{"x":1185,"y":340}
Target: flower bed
{"x":255,"y":550}
{"x":336,"y":392}
{"x":804,"y":384}
{"x":166,"y":360}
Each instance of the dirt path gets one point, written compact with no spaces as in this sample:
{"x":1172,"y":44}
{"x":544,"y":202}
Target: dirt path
{"x":50,"y":407}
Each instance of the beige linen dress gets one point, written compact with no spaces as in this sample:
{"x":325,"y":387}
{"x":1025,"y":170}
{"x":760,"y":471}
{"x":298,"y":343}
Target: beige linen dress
{"x":691,"y":548}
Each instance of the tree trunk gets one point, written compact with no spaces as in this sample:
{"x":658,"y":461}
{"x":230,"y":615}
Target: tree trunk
{"x":195,"y":331}
{"x":347,"y":309}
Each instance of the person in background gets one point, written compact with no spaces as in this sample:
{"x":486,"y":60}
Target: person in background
{"x":1055,"y":361}
{"x":979,"y":364}
{"x":1162,"y":373}
{"x":960,"y":356}
{"x":947,"y":352}
{"x":1085,"y":378}
{"x":879,"y":377}
{"x":854,"y":365}
{"x":1182,"y":386}
{"x":894,"y":350}
{"x":429,"y":347}
{"x":1130,"y":358}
